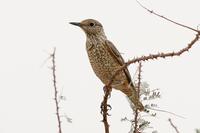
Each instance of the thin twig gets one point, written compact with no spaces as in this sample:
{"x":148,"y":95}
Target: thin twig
{"x":104,"y":108}
{"x":138,"y":95}
{"x":170,"y":20}
{"x":165,"y":111}
{"x":56,"y":91}
{"x":171,"y":123}
{"x":139,"y":79}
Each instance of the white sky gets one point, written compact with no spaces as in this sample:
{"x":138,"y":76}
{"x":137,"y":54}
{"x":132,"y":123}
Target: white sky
{"x":30,"y":29}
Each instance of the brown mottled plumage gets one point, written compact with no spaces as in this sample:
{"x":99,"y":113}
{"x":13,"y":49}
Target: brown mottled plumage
{"x":106,"y":60}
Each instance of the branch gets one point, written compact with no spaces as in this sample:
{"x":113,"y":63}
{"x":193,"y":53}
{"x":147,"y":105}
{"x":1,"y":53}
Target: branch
{"x":138,"y":94}
{"x":163,"y":17}
{"x":155,"y":56}
{"x":170,"y":121}
{"x":105,"y":107}
{"x":56,"y":90}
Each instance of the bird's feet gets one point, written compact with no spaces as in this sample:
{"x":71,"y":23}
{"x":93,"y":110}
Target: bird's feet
{"x":105,"y":107}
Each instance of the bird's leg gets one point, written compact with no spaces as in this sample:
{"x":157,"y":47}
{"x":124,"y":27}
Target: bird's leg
{"x":107,"y":89}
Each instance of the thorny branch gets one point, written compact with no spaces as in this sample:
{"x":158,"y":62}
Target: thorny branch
{"x":105,"y":107}
{"x":56,"y":90}
{"x":138,"y":94}
{"x":155,"y":56}
{"x":171,"y":123}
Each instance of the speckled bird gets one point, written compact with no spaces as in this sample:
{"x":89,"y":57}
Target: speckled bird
{"x":105,"y":60}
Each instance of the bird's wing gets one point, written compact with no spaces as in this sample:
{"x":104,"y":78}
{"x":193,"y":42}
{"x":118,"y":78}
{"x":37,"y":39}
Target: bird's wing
{"x":116,"y":54}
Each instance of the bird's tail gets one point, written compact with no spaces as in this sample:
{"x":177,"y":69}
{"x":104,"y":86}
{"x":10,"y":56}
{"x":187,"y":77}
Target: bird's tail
{"x":132,"y":95}
{"x":134,"y":98}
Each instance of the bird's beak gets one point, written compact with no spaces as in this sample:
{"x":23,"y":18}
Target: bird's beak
{"x":76,"y":24}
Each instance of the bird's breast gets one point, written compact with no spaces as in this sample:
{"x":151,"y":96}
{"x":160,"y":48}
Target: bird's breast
{"x":103,"y":63}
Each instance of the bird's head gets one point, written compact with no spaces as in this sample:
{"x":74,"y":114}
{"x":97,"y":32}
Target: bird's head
{"x":90,"y":26}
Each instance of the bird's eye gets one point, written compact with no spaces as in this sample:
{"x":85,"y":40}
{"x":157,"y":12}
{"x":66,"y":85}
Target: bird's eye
{"x":91,"y":24}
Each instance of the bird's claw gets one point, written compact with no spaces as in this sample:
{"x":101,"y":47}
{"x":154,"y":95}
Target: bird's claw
{"x":105,"y":108}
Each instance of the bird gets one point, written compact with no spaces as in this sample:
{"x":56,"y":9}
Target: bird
{"x":105,"y":60}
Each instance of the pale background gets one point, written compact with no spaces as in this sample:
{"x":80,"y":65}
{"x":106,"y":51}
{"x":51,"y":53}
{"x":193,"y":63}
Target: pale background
{"x":30,"y":29}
